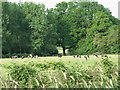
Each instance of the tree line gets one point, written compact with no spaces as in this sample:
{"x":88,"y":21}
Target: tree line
{"x":80,"y":27}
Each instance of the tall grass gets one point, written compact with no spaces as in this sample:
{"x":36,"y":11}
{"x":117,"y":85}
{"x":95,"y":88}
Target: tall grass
{"x":102,"y":74}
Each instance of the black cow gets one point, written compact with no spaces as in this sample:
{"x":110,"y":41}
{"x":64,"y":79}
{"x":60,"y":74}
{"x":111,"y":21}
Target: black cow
{"x":104,"y":56}
{"x":96,"y":55}
{"x":22,"y":57}
{"x":86,"y":57}
{"x":74,"y":56}
{"x":77,"y":56}
{"x":59,"y":55}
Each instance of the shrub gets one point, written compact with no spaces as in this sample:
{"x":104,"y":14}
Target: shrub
{"x":57,"y":66}
{"x":22,"y":74}
{"x":108,"y":67}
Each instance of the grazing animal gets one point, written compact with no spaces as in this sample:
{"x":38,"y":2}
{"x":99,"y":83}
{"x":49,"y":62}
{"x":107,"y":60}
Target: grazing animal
{"x":22,"y":57}
{"x":59,"y":55}
{"x":30,"y":56}
{"x":74,"y":56}
{"x":105,"y":56}
{"x":79,"y":56}
{"x":14,"y":57}
{"x":36,"y":56}
{"x":96,"y":55}
{"x":85,"y":57}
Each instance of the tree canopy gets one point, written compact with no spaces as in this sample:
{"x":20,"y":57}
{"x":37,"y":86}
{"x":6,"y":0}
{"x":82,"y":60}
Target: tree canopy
{"x":80,"y":27}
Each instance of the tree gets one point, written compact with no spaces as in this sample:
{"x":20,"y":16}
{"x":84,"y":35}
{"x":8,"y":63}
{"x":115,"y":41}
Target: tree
{"x":64,"y":38}
{"x":43,"y":34}
{"x":88,"y":21}
{"x":81,"y":27}
{"x":15,"y":39}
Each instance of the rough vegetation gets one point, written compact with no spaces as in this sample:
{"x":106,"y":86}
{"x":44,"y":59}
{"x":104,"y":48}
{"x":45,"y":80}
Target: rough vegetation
{"x":81,"y":28}
{"x":103,"y":74}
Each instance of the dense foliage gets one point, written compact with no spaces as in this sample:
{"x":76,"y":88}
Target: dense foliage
{"x":81,"y":27}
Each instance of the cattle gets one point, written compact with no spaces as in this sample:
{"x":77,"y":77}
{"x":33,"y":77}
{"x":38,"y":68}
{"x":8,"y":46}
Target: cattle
{"x":104,"y":56}
{"x":22,"y":57}
{"x":88,"y":56}
{"x":78,"y":56}
{"x":96,"y":54}
{"x":36,"y":56}
{"x":30,"y":56}
{"x":59,"y":55}
{"x":14,"y":57}
{"x":74,"y":56}
{"x":85,"y":57}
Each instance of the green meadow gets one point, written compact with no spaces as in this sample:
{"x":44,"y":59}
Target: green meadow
{"x":64,"y":59}
{"x":57,"y":65}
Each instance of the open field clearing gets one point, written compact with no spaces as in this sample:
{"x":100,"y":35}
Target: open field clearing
{"x":65,"y":59}
{"x":73,"y":44}
{"x":55,"y":72}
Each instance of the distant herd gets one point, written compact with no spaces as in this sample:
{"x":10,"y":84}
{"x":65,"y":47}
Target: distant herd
{"x":60,"y":55}
{"x":22,"y":57}
{"x":88,"y":56}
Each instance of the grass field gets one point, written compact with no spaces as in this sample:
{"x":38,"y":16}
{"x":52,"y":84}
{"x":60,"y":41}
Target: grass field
{"x":69,"y":61}
{"x":64,"y":59}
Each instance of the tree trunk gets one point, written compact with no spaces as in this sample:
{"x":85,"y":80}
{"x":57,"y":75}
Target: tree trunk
{"x":64,"y":51}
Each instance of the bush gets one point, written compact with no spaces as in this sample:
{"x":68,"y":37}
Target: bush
{"x":51,"y":65}
{"x":108,"y":67}
{"x":57,"y":66}
{"x":22,"y":74}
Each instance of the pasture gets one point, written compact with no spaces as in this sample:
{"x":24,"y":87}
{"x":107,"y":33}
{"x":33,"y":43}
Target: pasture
{"x":68,"y":61}
{"x":64,"y":59}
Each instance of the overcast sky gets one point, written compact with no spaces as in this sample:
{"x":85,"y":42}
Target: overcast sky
{"x":111,"y":4}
